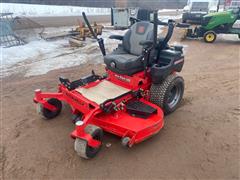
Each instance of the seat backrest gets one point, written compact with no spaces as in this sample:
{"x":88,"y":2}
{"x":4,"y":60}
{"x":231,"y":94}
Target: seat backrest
{"x":138,"y":32}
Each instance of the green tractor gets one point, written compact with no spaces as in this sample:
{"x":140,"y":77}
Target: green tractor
{"x":216,"y":23}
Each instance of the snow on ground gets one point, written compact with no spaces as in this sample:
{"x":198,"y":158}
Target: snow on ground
{"x":236,"y":24}
{"x":166,"y":14}
{"x":228,"y":37}
{"x":169,"y":10}
{"x":40,"y":56}
{"x":165,"y":18}
{"x":50,"y":10}
{"x":19,"y":57}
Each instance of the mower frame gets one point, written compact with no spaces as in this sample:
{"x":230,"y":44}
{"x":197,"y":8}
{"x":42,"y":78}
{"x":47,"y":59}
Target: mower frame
{"x":136,"y":111}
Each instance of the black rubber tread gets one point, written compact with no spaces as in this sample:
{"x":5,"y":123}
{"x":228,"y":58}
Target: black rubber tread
{"x":159,"y":92}
{"x":48,"y":114}
{"x":205,"y":35}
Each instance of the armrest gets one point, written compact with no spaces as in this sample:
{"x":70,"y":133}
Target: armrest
{"x":146,"y":43}
{"x":117,"y":37}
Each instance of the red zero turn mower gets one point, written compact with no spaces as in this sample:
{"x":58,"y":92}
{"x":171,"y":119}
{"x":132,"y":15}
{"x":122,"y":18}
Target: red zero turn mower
{"x":140,"y":86}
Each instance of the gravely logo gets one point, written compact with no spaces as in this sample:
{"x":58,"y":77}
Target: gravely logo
{"x":122,"y":78}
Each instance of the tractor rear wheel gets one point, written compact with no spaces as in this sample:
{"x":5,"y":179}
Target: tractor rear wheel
{"x":48,"y":114}
{"x":209,"y":36}
{"x":168,"y":94}
{"x":81,"y":146}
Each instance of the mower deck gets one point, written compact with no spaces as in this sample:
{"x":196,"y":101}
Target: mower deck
{"x":136,"y":125}
{"x":134,"y":122}
{"x":124,"y":124}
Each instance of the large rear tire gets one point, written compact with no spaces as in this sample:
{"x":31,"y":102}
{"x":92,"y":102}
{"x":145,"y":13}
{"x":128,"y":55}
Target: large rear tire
{"x":168,"y":94}
{"x":81,"y":146}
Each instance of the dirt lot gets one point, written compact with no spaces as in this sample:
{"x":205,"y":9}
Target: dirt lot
{"x":200,"y":140}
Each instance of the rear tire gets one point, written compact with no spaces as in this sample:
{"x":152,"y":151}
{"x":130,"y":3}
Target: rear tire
{"x":168,"y":94}
{"x":48,"y":114}
{"x":209,"y":36}
{"x":81,"y":146}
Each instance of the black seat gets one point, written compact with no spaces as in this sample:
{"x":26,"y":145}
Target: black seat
{"x":127,"y":58}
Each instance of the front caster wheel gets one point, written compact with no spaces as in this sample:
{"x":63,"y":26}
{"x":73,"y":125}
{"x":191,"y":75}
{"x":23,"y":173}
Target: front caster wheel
{"x":168,"y":94}
{"x":81,"y":146}
{"x":48,"y":114}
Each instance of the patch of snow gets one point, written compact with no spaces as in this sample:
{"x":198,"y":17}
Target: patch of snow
{"x":236,"y":24}
{"x":56,"y":62}
{"x":228,"y":37}
{"x":165,"y":18}
{"x":13,"y":55}
{"x":169,"y":10}
{"x":50,"y":10}
{"x":175,"y":43}
{"x":40,"y":56}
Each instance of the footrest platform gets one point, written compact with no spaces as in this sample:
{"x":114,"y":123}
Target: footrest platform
{"x":140,"y":109}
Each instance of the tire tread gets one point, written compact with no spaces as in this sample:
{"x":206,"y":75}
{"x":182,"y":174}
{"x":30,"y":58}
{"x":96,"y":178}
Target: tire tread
{"x":158,"y":92}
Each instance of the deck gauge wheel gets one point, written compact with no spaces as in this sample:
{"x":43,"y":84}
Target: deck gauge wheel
{"x":125,"y":141}
{"x":81,"y":146}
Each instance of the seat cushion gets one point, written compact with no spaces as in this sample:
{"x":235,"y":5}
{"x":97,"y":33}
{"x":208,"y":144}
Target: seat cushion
{"x":127,"y":58}
{"x":127,"y":64}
